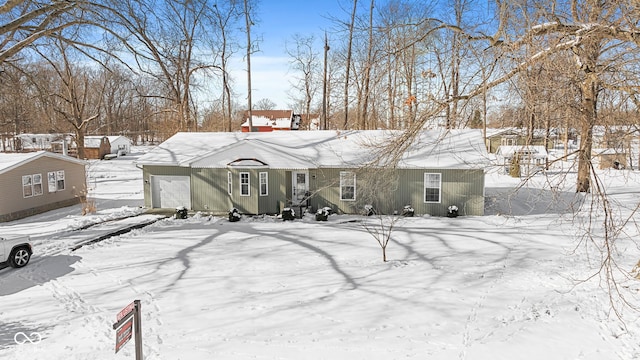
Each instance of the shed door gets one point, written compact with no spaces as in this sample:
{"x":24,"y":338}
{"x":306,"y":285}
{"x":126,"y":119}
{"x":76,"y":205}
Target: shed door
{"x":170,"y":192}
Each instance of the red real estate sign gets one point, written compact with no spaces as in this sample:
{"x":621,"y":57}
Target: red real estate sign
{"x":124,"y":312}
{"x":128,"y":325}
{"x":123,"y":334}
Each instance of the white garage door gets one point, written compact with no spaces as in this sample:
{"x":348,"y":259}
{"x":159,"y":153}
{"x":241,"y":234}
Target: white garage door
{"x":170,"y":192}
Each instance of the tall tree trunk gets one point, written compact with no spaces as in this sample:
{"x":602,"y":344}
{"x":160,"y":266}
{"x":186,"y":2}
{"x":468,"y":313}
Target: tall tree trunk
{"x":367,"y":72}
{"x":589,"y":116}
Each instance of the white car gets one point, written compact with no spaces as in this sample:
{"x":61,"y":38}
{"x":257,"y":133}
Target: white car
{"x":15,"y":250}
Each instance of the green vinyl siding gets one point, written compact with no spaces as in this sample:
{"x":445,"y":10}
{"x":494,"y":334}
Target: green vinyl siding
{"x":210,"y":191}
{"x":463,"y":188}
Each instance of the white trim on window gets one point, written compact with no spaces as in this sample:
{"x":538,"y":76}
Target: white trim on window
{"x":264,"y":183}
{"x":55,"y":181}
{"x":27,"y":186}
{"x":347,"y":185}
{"x":229,"y":183}
{"x":37,"y":184}
{"x":432,"y":188}
{"x":245,"y":188}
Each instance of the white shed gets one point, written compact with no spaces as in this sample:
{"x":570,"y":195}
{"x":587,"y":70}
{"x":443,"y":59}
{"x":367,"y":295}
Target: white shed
{"x":120,"y":145}
{"x":532,"y":157}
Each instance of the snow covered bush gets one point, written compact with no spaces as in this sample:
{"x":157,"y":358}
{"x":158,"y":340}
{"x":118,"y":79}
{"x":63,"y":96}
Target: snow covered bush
{"x":234,"y":215}
{"x":408,"y":211}
{"x":323,"y":214}
{"x":452,"y":211}
{"x":288,"y":214}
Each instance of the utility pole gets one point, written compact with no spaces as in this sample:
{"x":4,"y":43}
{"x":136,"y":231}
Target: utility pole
{"x":324,"y":84}
{"x":248,"y":23}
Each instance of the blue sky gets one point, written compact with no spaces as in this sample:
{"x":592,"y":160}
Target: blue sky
{"x":277,"y":22}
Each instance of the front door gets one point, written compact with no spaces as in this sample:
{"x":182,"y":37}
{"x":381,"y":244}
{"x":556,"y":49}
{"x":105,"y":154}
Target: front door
{"x":300,"y":186}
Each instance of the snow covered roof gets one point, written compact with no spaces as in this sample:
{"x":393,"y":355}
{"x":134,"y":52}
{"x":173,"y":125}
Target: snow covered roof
{"x":535,"y":151}
{"x":316,"y":149}
{"x":491,"y":132}
{"x":9,"y":161}
{"x":118,"y":138}
{"x":93,"y":141}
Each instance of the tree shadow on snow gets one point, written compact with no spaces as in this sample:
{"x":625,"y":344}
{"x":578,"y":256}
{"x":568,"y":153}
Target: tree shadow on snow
{"x":38,"y":272}
{"x":530,"y":201}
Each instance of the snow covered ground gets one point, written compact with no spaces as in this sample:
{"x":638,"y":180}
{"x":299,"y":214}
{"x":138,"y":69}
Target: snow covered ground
{"x":502,"y":286}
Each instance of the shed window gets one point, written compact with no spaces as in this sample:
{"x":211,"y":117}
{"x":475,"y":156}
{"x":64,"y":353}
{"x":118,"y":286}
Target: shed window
{"x":264,"y":184}
{"x":244,"y":184}
{"x":432,"y":187}
{"x":229,"y":182}
{"x":347,"y":185}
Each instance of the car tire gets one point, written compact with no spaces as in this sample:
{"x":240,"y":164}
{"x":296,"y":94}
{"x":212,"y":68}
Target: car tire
{"x":19,"y":257}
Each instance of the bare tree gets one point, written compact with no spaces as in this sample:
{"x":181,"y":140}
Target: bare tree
{"x":73,"y":98}
{"x":25,"y":22}
{"x":163,"y":40}
{"x":265,"y":104}
{"x":376,"y":198}
{"x":225,"y":15}
{"x":304,"y":59}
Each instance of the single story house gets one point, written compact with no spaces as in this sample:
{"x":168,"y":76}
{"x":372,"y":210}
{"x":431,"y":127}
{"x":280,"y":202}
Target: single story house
{"x":271,"y":120}
{"x":532,"y":158}
{"x":40,"y":181}
{"x":518,"y":137}
{"x":262,"y":173}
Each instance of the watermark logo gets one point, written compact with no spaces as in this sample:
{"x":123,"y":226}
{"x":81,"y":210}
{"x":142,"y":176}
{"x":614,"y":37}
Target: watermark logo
{"x":22,"y":338}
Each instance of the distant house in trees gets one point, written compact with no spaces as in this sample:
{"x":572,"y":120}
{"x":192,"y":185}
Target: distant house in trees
{"x":616,"y":146}
{"x":531,"y":158}
{"x":517,"y":137}
{"x":34,"y":142}
{"x":271,"y":120}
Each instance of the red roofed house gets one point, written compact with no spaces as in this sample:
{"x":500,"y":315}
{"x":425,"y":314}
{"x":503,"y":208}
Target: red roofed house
{"x":271,"y":120}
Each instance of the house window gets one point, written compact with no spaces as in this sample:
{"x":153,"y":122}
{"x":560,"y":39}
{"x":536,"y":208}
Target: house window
{"x":264,"y":184}
{"x":244,"y":184}
{"x":55,"y":180}
{"x":508,"y":141}
{"x":432,"y":187}
{"x":347,"y":185}
{"x":229,"y":182}
{"x":27,"y":186}
{"x":37,"y":184}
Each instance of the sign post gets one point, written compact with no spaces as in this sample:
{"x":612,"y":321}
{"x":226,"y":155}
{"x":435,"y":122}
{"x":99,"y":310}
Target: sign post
{"x":128,"y":318}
